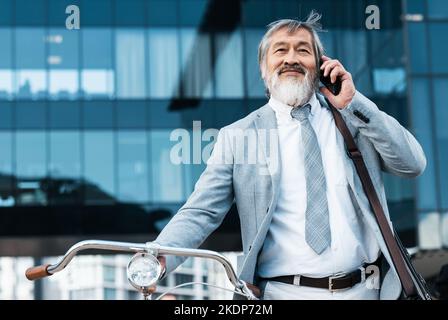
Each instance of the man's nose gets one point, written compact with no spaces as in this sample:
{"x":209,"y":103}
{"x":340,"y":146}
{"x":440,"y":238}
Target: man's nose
{"x":292,"y":58}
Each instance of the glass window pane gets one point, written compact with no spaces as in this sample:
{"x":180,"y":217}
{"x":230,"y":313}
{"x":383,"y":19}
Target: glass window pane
{"x":130,"y":12}
{"x":6,"y":192}
{"x":65,"y":167}
{"x":64,"y":114}
{"x":63,"y":61}
{"x":97,"y":74}
{"x":160,"y":115}
{"x":6,"y":72}
{"x":131,"y":114}
{"x":437,"y":9}
{"x":130,"y":63}
{"x":263,"y":16}
{"x":417,"y":47}
{"x":196,"y":64}
{"x":65,"y":153}
{"x":421,"y":122}
{"x":6,"y":109}
{"x":164,"y":70}
{"x":255,"y":84}
{"x":6,"y":13}
{"x":98,"y":115}
{"x":441,"y":104}
{"x":192,"y":12}
{"x":97,"y":13}
{"x":99,"y":167}
{"x":31,"y":115}
{"x":30,"y":13}
{"x":166,"y":177}
{"x":31,"y":160}
{"x":415,"y":6}
{"x":133,"y":167}
{"x":229,"y":65}
{"x":438,"y":31}
{"x":169,"y":9}
{"x":31,"y":73}
{"x":56,"y":11}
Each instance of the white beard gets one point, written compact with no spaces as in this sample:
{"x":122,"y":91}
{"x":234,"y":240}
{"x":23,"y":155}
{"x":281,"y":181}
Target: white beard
{"x":291,"y":91}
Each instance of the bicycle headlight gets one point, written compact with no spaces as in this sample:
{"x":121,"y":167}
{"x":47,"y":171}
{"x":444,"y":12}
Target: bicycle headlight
{"x":143,"y":271}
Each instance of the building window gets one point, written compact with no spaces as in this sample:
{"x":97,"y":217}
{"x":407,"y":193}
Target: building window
{"x":109,"y":294}
{"x":130,"y":63}
{"x":164,"y":69}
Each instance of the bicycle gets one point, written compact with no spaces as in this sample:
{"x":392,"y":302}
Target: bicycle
{"x":144,"y":269}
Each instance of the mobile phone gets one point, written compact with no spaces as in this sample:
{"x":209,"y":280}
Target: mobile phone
{"x":335,"y":87}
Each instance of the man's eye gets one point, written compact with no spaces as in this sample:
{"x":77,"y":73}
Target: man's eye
{"x":304,"y":50}
{"x":280,"y":50}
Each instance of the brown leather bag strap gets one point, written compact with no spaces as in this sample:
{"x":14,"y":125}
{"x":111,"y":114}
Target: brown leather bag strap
{"x":391,"y":243}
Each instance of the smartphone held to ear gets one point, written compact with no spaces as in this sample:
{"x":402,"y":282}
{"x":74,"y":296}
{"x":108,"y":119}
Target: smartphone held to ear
{"x":335,"y":87}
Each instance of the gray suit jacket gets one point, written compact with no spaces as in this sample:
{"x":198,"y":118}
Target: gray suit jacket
{"x":384,"y":143}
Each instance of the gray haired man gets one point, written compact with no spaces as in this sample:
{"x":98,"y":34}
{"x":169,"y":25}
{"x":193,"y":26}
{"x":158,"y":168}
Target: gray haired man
{"x":307,"y":228}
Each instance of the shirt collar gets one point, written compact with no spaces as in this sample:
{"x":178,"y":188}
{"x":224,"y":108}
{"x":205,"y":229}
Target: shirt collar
{"x":283,"y":109}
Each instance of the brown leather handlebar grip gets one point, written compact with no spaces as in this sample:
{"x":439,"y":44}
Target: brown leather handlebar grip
{"x":38,"y":272}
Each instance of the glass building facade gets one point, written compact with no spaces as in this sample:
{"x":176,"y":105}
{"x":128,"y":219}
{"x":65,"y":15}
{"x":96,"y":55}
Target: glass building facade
{"x":86,"y":114}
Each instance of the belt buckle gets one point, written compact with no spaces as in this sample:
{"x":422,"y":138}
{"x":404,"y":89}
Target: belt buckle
{"x":333,"y":277}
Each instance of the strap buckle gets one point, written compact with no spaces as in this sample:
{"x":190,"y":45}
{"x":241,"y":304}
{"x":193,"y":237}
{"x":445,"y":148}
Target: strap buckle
{"x":296,"y":280}
{"x":354,"y":154}
{"x":335,"y":277}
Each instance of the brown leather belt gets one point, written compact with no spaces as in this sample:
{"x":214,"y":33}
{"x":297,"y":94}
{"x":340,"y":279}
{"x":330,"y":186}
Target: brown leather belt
{"x":336,"y":282}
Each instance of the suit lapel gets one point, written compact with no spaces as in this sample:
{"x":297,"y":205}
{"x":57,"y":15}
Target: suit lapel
{"x":268,"y":143}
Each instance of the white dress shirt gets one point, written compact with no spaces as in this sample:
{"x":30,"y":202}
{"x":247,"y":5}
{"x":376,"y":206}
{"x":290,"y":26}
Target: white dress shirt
{"x":285,"y":251}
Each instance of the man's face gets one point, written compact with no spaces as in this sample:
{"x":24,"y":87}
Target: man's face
{"x":289,"y":53}
{"x":290,"y":67}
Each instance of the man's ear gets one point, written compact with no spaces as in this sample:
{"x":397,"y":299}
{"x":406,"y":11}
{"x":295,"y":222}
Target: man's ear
{"x":263,"y":71}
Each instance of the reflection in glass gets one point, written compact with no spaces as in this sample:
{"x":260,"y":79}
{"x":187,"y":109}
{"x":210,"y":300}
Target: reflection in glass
{"x":163,"y":51}
{"x":441,"y":105}
{"x":6,"y":72}
{"x":166,"y":177}
{"x":6,"y":193}
{"x":389,"y":81}
{"x":63,"y":61}
{"x":6,"y":84}
{"x":196,"y":64}
{"x":97,"y":83}
{"x":130,"y":63}
{"x":32,"y":84}
{"x":63,"y":84}
{"x":422,"y":124}
{"x":31,"y":74}
{"x":65,"y":153}
{"x":418,"y":49}
{"x":97,"y":74}
{"x":437,"y":9}
{"x":439,"y":47}
{"x":64,"y":185}
{"x":133,"y":167}
{"x":99,"y":171}
{"x":255,"y":85}
{"x":31,"y":160}
{"x":229,"y":65}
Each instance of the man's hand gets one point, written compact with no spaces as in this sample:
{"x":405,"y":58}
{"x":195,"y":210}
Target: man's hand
{"x":162,"y":261}
{"x":335,"y":69}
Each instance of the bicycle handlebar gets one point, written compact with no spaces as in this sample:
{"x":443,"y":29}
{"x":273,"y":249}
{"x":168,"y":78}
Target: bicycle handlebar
{"x":39,"y":272}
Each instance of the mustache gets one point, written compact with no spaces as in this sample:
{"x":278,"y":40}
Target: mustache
{"x":294,"y":67}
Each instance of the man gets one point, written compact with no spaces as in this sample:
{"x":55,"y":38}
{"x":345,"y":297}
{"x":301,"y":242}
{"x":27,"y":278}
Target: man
{"x":306,"y":224}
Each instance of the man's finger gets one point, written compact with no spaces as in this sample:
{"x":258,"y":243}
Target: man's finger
{"x":337,"y":71}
